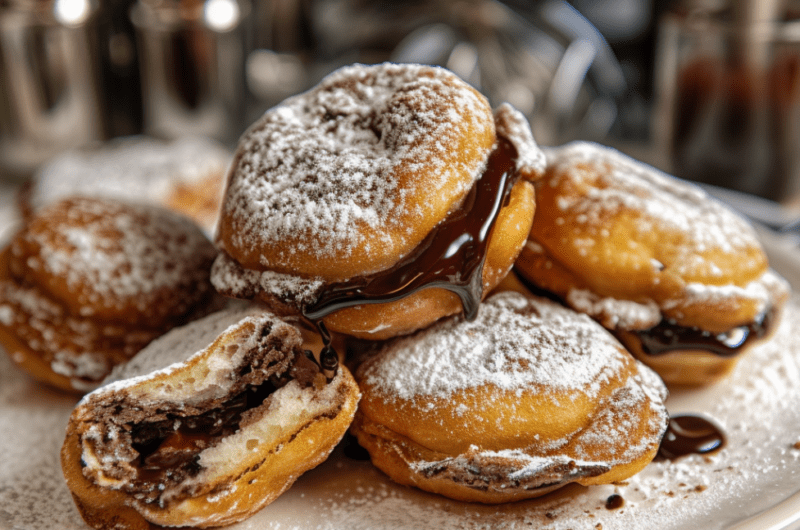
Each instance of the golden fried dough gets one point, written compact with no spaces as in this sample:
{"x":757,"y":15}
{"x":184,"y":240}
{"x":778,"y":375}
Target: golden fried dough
{"x":186,"y":175}
{"x":87,"y":283}
{"x":204,"y":427}
{"x":353,"y":178}
{"x":652,"y":258}
{"x":525,"y":399}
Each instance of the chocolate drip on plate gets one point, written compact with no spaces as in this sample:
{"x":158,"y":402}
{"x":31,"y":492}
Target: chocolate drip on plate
{"x":690,"y":434}
{"x":615,"y":502}
{"x":666,"y":337}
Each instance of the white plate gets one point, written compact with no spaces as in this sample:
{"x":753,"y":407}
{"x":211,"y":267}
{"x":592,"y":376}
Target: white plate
{"x":753,"y":483}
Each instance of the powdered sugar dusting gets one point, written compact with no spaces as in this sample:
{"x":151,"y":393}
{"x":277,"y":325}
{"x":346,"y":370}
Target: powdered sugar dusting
{"x":757,"y":406}
{"x":551,"y":346}
{"x":661,"y":201}
{"x":320,"y":163}
{"x":615,"y":313}
{"x":512,"y":125}
{"x":78,"y":348}
{"x":763,"y":290}
{"x":137,"y":168}
{"x":231,"y":279}
{"x":115,"y":254}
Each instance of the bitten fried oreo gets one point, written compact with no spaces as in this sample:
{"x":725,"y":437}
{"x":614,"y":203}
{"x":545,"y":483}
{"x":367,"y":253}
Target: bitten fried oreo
{"x":681,"y":280}
{"x":204,"y":427}
{"x":186,"y":175}
{"x":378,"y":182}
{"x":87,"y":283}
{"x":525,"y":399}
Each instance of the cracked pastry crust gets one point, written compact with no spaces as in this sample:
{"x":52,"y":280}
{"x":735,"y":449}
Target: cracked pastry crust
{"x":646,"y":254}
{"x":232,"y":413}
{"x":87,"y":283}
{"x":349,"y":179}
{"x":526,"y":399}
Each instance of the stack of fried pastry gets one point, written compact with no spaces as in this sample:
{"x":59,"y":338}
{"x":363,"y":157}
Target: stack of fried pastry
{"x":388,"y":205}
{"x":526,"y":398}
{"x":377,"y":182}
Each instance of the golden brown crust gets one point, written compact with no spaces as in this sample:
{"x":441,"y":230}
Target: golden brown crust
{"x":348,"y":179}
{"x":685,"y":367}
{"x":300,"y":451}
{"x":68,"y":352}
{"x":518,"y":431}
{"x":633,"y":248}
{"x":602,"y":216}
{"x":186,"y":175}
{"x":693,"y":367}
{"x":122,"y":263}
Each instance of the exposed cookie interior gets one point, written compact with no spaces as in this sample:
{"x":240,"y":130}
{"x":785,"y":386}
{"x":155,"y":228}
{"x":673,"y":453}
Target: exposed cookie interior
{"x":162,"y":451}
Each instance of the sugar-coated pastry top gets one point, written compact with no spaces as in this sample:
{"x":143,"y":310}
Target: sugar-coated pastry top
{"x":512,"y":125}
{"x":602,"y":216}
{"x":136,"y":168}
{"x":132,"y":263}
{"x":516,"y":343}
{"x":598,"y":185}
{"x":343,"y":179}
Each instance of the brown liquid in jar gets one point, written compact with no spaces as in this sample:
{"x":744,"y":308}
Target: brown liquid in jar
{"x":690,"y":434}
{"x":736,"y":124}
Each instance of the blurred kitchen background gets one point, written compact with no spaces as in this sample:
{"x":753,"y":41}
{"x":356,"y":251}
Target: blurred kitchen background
{"x":707,"y":89}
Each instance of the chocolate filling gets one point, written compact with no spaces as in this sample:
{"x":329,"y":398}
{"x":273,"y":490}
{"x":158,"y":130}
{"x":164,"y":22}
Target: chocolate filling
{"x":667,"y":336}
{"x":615,"y":502}
{"x":165,"y":444}
{"x":170,"y":449}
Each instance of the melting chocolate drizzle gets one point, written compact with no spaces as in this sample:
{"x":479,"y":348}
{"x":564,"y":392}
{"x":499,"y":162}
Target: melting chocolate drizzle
{"x":450,"y":257}
{"x":328,"y":362}
{"x":666,"y":337}
{"x":690,"y":434}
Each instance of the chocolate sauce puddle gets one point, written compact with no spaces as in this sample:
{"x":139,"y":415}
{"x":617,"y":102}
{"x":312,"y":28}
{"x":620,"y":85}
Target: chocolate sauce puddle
{"x":450,"y":257}
{"x":666,"y":337}
{"x":690,"y":434}
{"x":615,"y":501}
